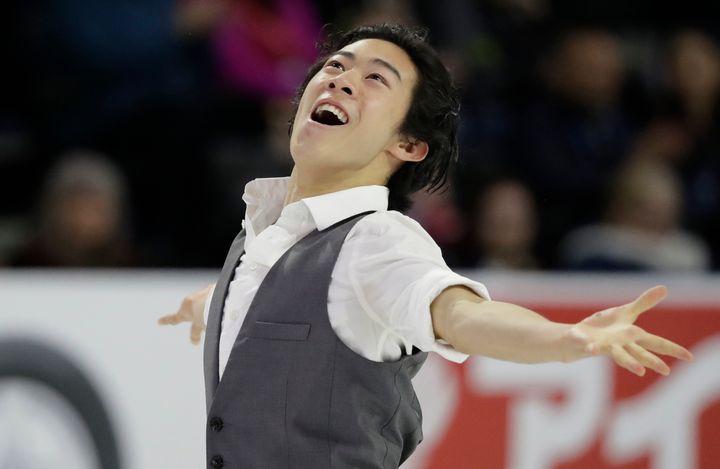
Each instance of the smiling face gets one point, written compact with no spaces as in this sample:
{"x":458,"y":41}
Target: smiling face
{"x":346,"y":126}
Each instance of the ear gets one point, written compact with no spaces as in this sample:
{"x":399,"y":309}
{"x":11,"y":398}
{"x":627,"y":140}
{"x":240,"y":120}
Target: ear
{"x":409,"y":149}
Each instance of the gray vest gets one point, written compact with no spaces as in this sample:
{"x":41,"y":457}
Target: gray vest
{"x":293,"y":395}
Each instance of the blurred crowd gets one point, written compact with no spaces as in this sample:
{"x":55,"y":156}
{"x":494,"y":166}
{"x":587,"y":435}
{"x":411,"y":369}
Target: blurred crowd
{"x":590,"y":136}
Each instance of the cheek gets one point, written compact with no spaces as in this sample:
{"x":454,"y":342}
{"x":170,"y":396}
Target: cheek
{"x":302,"y":108}
{"x":300,"y":115}
{"x":309,"y":94}
{"x":392,"y":109}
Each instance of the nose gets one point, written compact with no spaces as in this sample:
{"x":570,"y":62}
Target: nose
{"x":346,"y":89}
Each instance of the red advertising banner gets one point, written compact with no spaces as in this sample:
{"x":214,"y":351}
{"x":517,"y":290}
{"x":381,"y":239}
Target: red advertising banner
{"x":589,"y":414}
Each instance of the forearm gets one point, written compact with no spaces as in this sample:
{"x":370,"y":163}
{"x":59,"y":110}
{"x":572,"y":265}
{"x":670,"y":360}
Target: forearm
{"x":478,"y":326}
{"x":506,"y":331}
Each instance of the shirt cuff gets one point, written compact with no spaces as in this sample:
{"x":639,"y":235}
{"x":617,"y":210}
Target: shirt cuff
{"x":433,"y":285}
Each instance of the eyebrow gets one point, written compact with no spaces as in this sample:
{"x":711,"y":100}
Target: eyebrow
{"x":375,"y":60}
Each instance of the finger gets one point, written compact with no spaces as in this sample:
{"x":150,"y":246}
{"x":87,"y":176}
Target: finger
{"x":663,"y":346}
{"x":647,"y":300}
{"x":647,"y":359}
{"x":196,"y":330}
{"x":626,"y":360}
{"x":175,"y":318}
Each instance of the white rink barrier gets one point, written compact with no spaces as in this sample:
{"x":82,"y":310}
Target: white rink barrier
{"x":85,"y":369}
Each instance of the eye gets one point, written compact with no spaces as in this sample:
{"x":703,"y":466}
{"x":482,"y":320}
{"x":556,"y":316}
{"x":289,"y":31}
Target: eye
{"x":378,"y":77}
{"x":335,"y":64}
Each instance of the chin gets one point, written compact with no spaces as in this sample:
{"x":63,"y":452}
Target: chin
{"x":306,"y":153}
{"x":309,"y":142}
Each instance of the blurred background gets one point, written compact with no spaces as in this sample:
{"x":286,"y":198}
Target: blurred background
{"x":589,"y":171}
{"x":590,"y":135}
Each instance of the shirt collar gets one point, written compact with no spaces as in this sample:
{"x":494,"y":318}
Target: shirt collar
{"x":328,"y":209}
{"x":264,"y":198}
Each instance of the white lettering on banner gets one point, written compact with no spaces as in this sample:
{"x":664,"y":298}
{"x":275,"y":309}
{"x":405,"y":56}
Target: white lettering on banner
{"x":544,"y":432}
{"x":663,"y":420}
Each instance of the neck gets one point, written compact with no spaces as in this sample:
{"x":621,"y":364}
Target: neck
{"x":302,"y":185}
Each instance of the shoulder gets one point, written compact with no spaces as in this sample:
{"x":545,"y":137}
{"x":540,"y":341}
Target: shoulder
{"x":395,"y":234}
{"x":393,"y":227}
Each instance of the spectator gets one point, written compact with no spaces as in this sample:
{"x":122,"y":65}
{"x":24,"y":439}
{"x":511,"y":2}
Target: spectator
{"x":443,"y":221}
{"x":686,"y":130}
{"x":695,"y":71}
{"x":505,"y":227}
{"x":82,"y":221}
{"x":573,"y":137}
{"x":641,"y":230}
{"x":694,"y":63}
{"x":261,"y":48}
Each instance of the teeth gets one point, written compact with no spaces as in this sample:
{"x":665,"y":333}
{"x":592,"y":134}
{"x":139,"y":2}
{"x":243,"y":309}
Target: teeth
{"x":335,"y":110}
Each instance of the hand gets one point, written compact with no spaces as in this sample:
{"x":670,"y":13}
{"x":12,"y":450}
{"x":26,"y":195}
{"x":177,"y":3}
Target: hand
{"x":612,"y":332}
{"x":191,"y":310}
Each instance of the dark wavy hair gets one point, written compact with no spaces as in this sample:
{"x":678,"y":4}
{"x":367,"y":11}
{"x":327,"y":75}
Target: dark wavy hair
{"x":433,"y":115}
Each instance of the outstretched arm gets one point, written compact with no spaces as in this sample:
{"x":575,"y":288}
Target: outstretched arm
{"x":509,"y":332}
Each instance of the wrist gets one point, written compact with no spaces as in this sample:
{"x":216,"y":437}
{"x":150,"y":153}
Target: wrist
{"x":573,"y":343}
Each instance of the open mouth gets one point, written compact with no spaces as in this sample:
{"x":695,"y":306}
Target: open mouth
{"x":328,"y":114}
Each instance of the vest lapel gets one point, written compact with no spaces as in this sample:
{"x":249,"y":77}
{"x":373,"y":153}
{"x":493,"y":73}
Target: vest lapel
{"x":212,"y":332}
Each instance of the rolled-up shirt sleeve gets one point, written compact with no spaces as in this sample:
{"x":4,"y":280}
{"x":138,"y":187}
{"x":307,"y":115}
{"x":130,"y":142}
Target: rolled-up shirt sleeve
{"x":396,"y":270}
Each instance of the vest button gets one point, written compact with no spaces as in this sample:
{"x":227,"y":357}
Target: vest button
{"x":217,"y":461}
{"x":216,"y":424}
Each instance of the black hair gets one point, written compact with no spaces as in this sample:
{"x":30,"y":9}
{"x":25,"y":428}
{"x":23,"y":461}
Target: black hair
{"x":433,"y":116}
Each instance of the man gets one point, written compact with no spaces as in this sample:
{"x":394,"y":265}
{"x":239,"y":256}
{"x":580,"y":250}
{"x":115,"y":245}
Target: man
{"x":314,"y":333}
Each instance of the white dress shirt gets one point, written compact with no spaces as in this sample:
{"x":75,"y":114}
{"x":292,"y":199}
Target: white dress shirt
{"x":388,"y":271}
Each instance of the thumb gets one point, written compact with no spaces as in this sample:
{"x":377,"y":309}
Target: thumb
{"x":647,"y":300}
